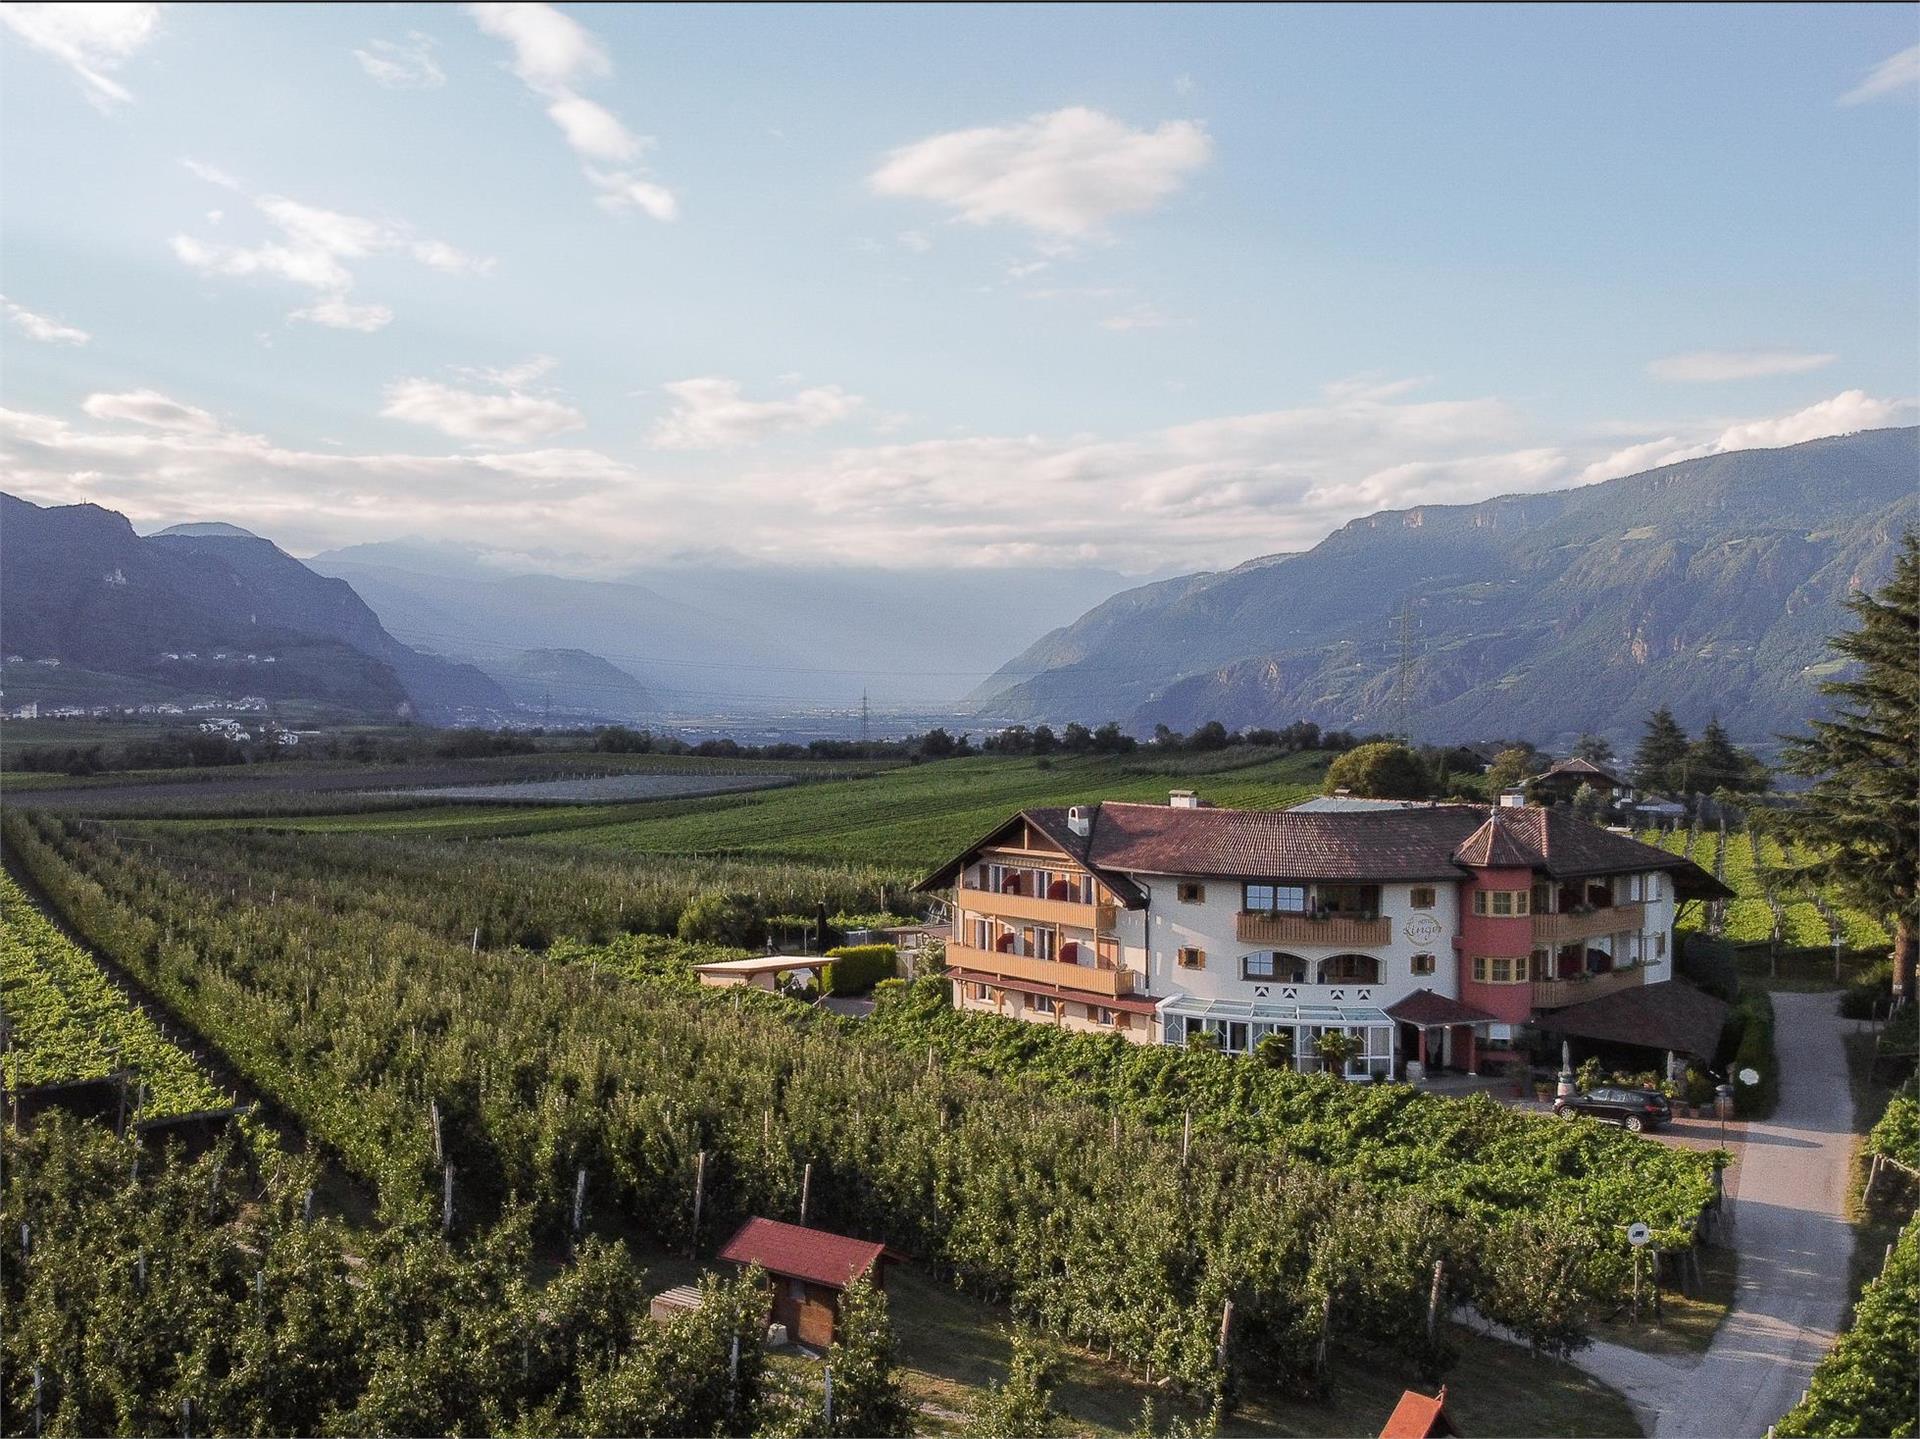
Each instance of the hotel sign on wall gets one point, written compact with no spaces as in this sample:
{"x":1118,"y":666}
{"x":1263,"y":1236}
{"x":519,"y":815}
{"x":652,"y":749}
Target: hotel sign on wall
{"x":1422,"y":929}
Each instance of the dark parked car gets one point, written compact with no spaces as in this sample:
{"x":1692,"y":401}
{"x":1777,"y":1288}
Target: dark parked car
{"x":1636,"y":1109}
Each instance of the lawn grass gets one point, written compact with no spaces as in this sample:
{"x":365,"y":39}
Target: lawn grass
{"x":919,"y":816}
{"x":951,"y":1346}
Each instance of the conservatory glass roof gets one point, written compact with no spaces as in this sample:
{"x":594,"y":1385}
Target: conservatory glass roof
{"x":1196,"y":1008}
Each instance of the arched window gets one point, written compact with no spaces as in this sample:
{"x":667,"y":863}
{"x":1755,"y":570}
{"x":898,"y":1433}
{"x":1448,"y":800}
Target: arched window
{"x":1275,"y":966}
{"x":1350,"y":969}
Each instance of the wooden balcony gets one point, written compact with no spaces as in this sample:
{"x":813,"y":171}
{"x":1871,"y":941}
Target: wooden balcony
{"x":1031,"y":910}
{"x":1555,"y":993}
{"x":1565,"y":928}
{"x":1083,"y":978}
{"x":1348,"y":931}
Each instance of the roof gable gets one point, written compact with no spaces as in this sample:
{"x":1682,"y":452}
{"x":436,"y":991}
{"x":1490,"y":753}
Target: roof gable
{"x":790,"y":1250}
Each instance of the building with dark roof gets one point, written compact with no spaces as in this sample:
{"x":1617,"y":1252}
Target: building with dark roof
{"x":809,"y":1270}
{"x":1420,"y":931}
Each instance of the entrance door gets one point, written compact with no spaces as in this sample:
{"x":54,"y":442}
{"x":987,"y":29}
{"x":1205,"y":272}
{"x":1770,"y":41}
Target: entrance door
{"x":1410,"y":1047}
{"x":813,"y":1325}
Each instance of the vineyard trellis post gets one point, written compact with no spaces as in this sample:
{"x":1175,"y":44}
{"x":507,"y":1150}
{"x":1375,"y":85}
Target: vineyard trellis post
{"x":579,"y":1199}
{"x":446,"y":1200}
{"x":699,"y":1196}
{"x":1433,"y":1297}
{"x":806,"y":1189}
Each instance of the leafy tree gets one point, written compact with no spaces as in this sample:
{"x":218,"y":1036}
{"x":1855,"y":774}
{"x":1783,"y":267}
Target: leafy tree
{"x":867,"y":1397}
{"x":1510,"y":767}
{"x":1593,"y":749}
{"x":1044,"y":739}
{"x":1336,"y":1047}
{"x":1210,"y":736}
{"x":937,"y":743}
{"x":1022,"y":1407}
{"x":1658,"y":762}
{"x":1859,"y":823}
{"x":1076,"y":738}
{"x":1275,"y":1050}
{"x":1109,"y":740}
{"x":723,"y":919}
{"x":1207,"y":1426}
{"x":1379,"y":771}
{"x":1589,"y":803}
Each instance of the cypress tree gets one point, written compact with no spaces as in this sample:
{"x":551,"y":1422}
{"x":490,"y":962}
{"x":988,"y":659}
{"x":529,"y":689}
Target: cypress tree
{"x":1860,"y":820}
{"x":1660,"y":760}
{"x":1712,"y":763}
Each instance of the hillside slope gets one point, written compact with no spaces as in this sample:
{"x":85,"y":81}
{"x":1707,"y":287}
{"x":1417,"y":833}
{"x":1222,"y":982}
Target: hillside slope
{"x":78,"y":584}
{"x":1710,"y":585}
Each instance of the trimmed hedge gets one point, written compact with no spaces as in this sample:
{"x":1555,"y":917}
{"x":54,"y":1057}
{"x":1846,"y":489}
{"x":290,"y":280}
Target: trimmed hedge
{"x":1753,"y":1017}
{"x":856,"y":968}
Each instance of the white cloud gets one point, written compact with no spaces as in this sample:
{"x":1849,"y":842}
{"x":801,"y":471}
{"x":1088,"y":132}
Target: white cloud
{"x":1137,"y":317}
{"x":551,"y":53}
{"x":916,"y":241}
{"x":513,"y":418}
{"x":403,"y":64}
{"x":1895,"y":75}
{"x":311,"y":248}
{"x":153,"y":409}
{"x":1844,"y":414}
{"x":90,"y":39}
{"x":1210,"y":492}
{"x":1705,"y":366}
{"x":711,"y":414}
{"x":1064,"y":174}
{"x":39,"y":327}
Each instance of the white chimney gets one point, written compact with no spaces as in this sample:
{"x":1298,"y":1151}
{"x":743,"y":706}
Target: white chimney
{"x":1184,"y":799}
{"x":1513,"y":799}
{"x":1079,"y":821}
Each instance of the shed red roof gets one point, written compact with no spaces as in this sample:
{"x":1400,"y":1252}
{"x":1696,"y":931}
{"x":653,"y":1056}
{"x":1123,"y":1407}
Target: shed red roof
{"x":1418,"y":1417}
{"x":1131,"y":1003}
{"x":795,"y":1252}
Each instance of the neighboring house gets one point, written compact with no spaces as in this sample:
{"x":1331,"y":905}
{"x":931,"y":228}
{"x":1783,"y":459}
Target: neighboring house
{"x":1563,"y":778}
{"x":1421,"y":931}
{"x":809,"y":1270}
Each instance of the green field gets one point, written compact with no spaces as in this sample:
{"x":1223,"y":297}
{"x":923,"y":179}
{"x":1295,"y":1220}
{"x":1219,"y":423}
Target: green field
{"x":916,"y":817}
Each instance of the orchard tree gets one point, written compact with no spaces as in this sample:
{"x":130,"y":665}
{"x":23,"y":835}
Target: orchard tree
{"x":1380,"y":771}
{"x":1021,"y":1408}
{"x":1661,"y":757}
{"x":1859,"y":823}
{"x":1510,"y":767}
{"x":867,"y":1397}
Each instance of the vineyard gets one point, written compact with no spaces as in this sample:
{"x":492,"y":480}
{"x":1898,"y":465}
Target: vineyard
{"x":1865,"y":1383}
{"x":1756,"y":866}
{"x":433,"y":1066}
{"x":64,"y":1021}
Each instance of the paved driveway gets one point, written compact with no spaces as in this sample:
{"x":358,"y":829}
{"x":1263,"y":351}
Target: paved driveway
{"x":1791,"y":1230}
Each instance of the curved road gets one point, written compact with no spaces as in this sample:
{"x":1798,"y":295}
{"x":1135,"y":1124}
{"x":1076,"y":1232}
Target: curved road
{"x":1794,"y":1241}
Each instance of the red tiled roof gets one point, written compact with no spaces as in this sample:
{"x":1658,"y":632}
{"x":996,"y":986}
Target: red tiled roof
{"x":1418,"y":1417}
{"x":795,"y":1252}
{"x":1372,"y":846}
{"x":1425,"y":1008}
{"x":1584,"y":768}
{"x":1495,"y":846}
{"x":1131,"y":1003}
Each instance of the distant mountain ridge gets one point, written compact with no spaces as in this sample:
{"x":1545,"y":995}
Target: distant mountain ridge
{"x":209,"y":608}
{"x":1710,"y":585}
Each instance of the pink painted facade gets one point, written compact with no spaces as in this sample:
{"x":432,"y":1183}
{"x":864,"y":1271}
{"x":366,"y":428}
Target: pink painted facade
{"x":1495,"y":937}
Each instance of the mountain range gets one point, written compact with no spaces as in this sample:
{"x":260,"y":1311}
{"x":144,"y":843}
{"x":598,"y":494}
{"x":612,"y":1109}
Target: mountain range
{"x":202,"y":610}
{"x":1710,"y":585}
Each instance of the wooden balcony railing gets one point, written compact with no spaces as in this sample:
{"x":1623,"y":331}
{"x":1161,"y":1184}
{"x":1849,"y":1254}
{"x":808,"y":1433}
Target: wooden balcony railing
{"x":1252,"y":927}
{"x":1035,"y":910}
{"x":1628,"y":918}
{"x":1554,"y":993}
{"x":1082,"y":977}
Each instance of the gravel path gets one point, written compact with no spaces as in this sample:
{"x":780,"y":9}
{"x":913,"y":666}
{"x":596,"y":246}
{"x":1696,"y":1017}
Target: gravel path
{"x":1791,"y":1230}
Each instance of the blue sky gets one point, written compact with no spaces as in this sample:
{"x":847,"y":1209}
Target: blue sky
{"x":1143,"y":288}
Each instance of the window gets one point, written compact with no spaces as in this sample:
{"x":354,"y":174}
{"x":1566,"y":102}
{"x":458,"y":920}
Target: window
{"x":1501,"y":903}
{"x":1275,"y":898}
{"x":982,"y":993}
{"x":1499,"y":970}
{"x":1422,"y":897}
{"x":1660,"y":945}
{"x":1275,"y":966}
{"x":1103,"y":1016}
{"x":1423,"y":963}
{"x":1192,"y":958}
{"x":1350,"y":968}
{"x":1191,"y":893}
{"x":1043,"y":1004}
{"x":1653,"y":886}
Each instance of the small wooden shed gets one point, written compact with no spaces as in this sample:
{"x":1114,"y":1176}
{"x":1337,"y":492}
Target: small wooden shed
{"x":810,"y":1269}
{"x":1418,"y":1417}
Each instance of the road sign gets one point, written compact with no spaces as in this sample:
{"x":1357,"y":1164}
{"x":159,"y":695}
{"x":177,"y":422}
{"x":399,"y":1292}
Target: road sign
{"x":1639,"y":1234}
